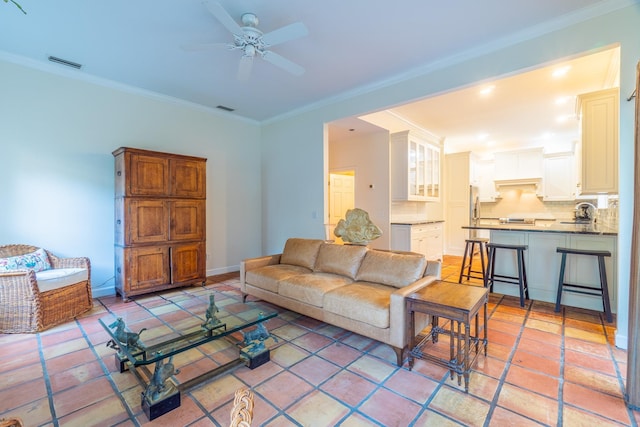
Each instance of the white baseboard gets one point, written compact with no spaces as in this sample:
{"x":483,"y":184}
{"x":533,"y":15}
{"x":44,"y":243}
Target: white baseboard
{"x":622,"y":341}
{"x":223,"y":270}
{"x":104,"y":291}
{"x":108,"y":289}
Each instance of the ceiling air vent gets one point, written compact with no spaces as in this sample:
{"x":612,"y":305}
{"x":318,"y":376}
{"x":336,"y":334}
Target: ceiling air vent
{"x":222,"y":107}
{"x":65,"y":62}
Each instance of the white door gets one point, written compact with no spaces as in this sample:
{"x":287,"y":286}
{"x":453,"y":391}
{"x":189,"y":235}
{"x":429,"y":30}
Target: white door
{"x":341,"y":198}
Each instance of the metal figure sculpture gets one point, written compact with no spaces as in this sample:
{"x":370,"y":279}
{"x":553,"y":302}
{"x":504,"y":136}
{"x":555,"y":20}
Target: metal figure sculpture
{"x":158,"y":387}
{"x":257,"y":336}
{"x":125,"y":338}
{"x":211,"y":319}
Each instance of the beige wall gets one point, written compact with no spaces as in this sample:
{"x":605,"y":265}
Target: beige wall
{"x":289,"y":202}
{"x":56,"y":168}
{"x":368,"y":156}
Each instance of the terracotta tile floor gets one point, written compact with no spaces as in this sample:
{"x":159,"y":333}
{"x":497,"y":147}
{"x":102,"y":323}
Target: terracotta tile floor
{"x":542,"y":368}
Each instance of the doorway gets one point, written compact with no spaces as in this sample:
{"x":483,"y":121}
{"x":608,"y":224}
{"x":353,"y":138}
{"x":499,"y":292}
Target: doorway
{"x":342,"y":197}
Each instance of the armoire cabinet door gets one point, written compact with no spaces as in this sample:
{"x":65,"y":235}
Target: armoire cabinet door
{"x":149,"y":175}
{"x":187,"y":262}
{"x":187,"y":220}
{"x":187,"y":178}
{"x":148,"y":267}
{"x":148,"y":221}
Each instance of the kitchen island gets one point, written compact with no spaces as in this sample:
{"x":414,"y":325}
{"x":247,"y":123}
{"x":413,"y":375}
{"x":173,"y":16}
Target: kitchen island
{"x":543,"y":262}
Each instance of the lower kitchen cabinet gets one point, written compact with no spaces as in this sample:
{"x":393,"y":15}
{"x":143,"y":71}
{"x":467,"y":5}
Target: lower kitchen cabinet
{"x":425,"y":239}
{"x":543,"y":266}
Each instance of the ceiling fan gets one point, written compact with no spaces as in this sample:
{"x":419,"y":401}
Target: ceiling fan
{"x":253,"y":42}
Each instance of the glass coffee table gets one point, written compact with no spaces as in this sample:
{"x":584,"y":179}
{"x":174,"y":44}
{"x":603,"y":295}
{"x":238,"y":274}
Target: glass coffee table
{"x":239,"y":328}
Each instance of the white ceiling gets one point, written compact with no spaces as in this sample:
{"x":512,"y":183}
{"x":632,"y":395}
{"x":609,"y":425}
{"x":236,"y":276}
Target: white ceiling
{"x":533,"y":108}
{"x":352,"y":45}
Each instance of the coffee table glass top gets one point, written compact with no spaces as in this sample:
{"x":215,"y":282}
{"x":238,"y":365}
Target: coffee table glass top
{"x":177,"y":326}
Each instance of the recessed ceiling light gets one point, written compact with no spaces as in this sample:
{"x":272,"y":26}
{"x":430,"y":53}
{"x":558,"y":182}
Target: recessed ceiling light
{"x":561,"y":72}
{"x":487,"y":90}
{"x":482,"y":136}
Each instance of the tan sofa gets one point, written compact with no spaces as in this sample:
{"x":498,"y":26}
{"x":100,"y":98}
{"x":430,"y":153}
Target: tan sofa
{"x":353,"y":287}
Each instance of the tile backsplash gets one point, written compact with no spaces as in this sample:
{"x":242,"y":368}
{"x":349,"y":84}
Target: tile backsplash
{"x":530,"y":206}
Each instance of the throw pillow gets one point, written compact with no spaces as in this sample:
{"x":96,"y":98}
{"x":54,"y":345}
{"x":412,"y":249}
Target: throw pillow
{"x":36,"y":261}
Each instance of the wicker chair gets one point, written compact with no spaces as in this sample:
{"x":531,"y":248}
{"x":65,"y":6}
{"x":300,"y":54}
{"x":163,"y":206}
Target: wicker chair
{"x":26,"y":309}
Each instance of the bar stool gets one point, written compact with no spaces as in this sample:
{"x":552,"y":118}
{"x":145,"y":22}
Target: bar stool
{"x":467,"y":259}
{"x":602,"y":291}
{"x":520,"y":279}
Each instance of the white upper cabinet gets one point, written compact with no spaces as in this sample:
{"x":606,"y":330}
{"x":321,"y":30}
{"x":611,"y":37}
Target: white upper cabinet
{"x":599,"y":133}
{"x":559,"y":180}
{"x":484,"y":177}
{"x":415,"y":168}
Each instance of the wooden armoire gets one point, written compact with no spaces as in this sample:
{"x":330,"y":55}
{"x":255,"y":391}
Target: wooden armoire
{"x":160,"y":202}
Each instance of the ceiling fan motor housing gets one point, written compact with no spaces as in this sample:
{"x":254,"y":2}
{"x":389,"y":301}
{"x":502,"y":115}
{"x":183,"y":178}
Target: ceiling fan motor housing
{"x":252,"y":41}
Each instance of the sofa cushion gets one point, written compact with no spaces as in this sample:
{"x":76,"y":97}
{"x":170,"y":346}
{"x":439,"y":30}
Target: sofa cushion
{"x":310,"y":288}
{"x":36,"y":261}
{"x":340,"y":259}
{"x":301,"y":252}
{"x":267,"y":277}
{"x":60,"y":277}
{"x":364,"y":302}
{"x":393,"y":269}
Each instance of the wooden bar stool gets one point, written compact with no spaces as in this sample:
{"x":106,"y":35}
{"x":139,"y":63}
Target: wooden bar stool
{"x":467,"y":259}
{"x":520,"y":279}
{"x":602,"y":291}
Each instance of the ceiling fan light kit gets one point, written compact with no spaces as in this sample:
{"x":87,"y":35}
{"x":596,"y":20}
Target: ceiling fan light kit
{"x":251,"y":41}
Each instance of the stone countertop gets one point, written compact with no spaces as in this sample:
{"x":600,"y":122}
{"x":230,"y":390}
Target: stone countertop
{"x":550,"y":227}
{"x":417,"y":222}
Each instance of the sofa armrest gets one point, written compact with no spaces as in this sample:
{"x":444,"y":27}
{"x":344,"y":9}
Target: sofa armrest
{"x":253,"y":263}
{"x":17,"y":283}
{"x":19,"y":302}
{"x":434,"y":268}
{"x":398,"y":312}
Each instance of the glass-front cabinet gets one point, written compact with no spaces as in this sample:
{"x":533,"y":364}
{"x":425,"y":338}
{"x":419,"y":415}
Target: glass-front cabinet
{"x":415,"y":168}
{"x":432,"y":172}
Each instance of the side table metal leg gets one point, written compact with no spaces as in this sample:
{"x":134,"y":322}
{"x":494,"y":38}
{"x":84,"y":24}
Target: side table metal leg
{"x":452,"y":354}
{"x":485,"y":327}
{"x":411,"y":336}
{"x":460,"y":358}
{"x":434,"y":328}
{"x":467,"y":343}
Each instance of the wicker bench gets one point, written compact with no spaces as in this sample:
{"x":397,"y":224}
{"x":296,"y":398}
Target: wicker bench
{"x":34,"y":301}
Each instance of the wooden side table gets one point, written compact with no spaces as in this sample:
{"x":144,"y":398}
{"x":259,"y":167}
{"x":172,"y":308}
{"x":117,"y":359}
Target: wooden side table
{"x":459,"y":304}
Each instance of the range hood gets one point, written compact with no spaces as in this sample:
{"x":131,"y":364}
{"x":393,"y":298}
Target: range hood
{"x":527,"y":185}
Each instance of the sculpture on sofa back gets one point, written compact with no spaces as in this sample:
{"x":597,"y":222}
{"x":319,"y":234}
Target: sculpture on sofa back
{"x":30,"y":300}
{"x":357,"y":228}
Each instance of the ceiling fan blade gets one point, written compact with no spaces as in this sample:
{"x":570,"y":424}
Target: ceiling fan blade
{"x":283,"y":63}
{"x":244,"y":69}
{"x":284,"y":34}
{"x":223,"y":16}
{"x":193,"y":47}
